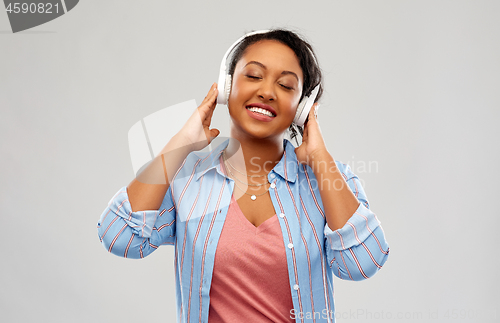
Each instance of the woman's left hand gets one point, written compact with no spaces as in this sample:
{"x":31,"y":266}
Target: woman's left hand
{"x":312,"y":139}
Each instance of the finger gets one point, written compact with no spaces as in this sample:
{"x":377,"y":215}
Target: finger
{"x":214,"y":133}
{"x":211,"y":134}
{"x":313,"y":113}
{"x":305,"y":134}
{"x":214,"y":94}
{"x":208,"y":105}
{"x":210,"y":93}
{"x":211,"y":101}
{"x":209,"y":108}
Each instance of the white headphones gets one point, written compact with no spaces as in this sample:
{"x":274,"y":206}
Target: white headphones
{"x":224,"y":85}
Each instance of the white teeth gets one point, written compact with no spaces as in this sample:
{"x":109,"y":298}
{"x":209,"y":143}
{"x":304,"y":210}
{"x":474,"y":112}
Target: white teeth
{"x":261,"y":111}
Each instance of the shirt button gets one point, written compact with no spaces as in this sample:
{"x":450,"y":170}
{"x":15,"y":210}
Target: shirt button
{"x":272,"y":176}
{"x":282,"y":215}
{"x":296,"y":287}
{"x":290,"y":245}
{"x":273,"y":185}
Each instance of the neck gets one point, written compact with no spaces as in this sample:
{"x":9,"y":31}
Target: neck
{"x":255,"y":157}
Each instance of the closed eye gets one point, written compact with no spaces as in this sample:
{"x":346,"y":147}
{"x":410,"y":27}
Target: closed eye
{"x":286,"y":87}
{"x":253,"y":77}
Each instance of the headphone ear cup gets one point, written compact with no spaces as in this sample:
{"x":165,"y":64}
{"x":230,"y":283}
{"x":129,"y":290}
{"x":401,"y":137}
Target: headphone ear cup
{"x":305,"y":106}
{"x":299,"y":119}
{"x":227,"y":87}
{"x":224,"y":86}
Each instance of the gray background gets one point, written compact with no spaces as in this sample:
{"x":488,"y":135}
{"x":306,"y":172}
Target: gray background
{"x":410,"y":87}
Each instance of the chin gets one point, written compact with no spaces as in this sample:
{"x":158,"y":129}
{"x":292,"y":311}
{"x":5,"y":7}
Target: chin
{"x":256,"y":130}
{"x":264,"y":134}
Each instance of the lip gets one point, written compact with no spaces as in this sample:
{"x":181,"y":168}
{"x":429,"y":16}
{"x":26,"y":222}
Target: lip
{"x":263,"y":106}
{"x":258,"y":116}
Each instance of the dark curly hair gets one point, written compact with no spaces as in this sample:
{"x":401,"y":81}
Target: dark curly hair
{"x":302,"y":49}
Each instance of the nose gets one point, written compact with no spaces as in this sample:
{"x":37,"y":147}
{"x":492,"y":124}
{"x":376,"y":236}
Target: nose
{"x":266,"y":91}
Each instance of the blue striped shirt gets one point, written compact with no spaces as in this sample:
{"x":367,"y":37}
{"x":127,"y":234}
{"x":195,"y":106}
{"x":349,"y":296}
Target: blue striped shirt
{"x":192,"y":215}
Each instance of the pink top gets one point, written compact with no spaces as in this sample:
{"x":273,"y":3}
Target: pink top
{"x":250,"y":278}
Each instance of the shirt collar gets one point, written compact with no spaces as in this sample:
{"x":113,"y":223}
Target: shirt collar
{"x":212,"y":160}
{"x":287,"y":167}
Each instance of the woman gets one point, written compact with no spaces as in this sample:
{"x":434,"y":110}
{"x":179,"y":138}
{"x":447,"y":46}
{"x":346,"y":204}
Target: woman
{"x":258,"y":226}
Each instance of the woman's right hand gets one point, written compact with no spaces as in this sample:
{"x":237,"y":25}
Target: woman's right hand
{"x":194,"y":135}
{"x":196,"y":132}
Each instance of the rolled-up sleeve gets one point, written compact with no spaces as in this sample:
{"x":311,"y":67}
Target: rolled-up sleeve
{"x":359,"y":249}
{"x":136,"y":234}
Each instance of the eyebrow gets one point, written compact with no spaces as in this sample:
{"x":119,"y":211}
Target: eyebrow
{"x":264,"y":67}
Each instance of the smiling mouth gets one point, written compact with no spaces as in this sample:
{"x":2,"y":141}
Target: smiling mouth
{"x":261,"y":111}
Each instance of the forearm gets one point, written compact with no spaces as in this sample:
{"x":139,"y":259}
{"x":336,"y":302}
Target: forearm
{"x":147,"y":190}
{"x":338,"y":200}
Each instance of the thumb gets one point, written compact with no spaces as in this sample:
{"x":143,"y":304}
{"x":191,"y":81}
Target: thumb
{"x":214,"y":133}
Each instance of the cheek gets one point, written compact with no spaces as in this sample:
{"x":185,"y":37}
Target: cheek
{"x":233,"y":94}
{"x":294,"y":104}
{"x":235,"y":91}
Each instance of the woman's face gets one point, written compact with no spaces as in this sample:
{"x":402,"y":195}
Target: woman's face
{"x":265,"y":92}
